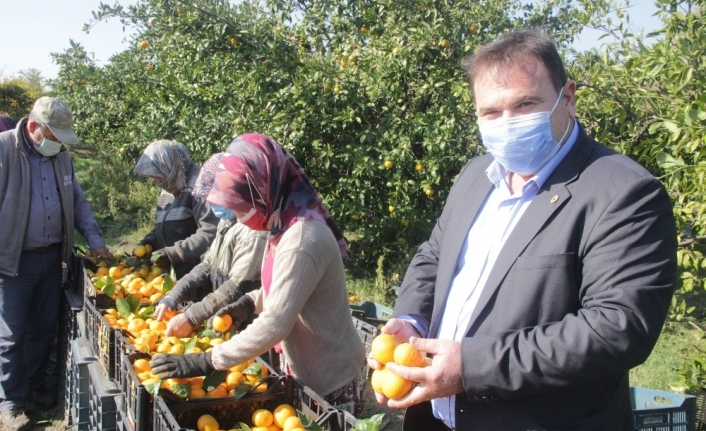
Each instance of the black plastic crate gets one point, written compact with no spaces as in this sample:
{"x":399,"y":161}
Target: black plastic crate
{"x":81,"y":357}
{"x":174,"y":414}
{"x":67,"y":383}
{"x":655,"y":410}
{"x":371,"y":312}
{"x":101,"y":336}
{"x":69,"y":324}
{"x":121,"y":422}
{"x":137,"y":401}
{"x":102,"y":409}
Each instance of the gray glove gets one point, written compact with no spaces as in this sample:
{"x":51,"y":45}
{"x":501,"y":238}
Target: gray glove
{"x":170,"y":301}
{"x":239,"y":311}
{"x":228,"y":293}
{"x":191,"y":365}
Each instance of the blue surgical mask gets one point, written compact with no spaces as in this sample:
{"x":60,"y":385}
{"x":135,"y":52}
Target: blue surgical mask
{"x":48,"y":148}
{"x":522,"y":144}
{"x":223,"y":213}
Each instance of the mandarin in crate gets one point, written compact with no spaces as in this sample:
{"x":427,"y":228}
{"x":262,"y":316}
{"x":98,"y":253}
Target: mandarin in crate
{"x":222,"y":323}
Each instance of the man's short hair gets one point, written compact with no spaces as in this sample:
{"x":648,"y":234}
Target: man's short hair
{"x":511,"y":49}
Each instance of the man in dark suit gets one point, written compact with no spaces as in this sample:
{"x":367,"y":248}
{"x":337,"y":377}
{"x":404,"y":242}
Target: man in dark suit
{"x":549,"y":273}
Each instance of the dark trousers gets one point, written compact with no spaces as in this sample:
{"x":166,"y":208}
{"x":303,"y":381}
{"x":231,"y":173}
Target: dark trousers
{"x":29,"y":312}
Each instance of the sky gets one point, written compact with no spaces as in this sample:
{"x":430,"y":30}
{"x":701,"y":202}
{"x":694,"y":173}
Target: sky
{"x":40,"y":27}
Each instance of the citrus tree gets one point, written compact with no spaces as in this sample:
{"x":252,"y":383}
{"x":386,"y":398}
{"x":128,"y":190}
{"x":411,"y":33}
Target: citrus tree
{"x":368,"y":95}
{"x":649,"y":101}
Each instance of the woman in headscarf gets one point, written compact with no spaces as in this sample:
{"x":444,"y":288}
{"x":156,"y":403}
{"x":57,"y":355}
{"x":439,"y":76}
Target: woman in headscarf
{"x":302,"y":305}
{"x":185,"y":226}
{"x":229,"y":269}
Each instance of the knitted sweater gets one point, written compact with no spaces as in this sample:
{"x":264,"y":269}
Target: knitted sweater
{"x":307,"y":310}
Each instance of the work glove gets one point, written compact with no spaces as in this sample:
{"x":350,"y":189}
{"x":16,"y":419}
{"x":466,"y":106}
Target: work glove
{"x":239,"y":311}
{"x":167,"y":366}
{"x":171,"y":302}
{"x":160,"y":258}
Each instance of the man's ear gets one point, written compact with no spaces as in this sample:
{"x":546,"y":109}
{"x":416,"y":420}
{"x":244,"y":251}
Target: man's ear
{"x":32,"y":126}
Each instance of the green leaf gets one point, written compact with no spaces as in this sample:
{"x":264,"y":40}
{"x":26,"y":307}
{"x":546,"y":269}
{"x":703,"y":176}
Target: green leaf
{"x":214,"y":379}
{"x":154,"y":387}
{"x":188,"y":347}
{"x":254,"y":370}
{"x":308,"y":423}
{"x":109,"y":290}
{"x":242,"y":389}
{"x":146,"y":312}
{"x":133,"y":302}
{"x":168,"y":284}
{"x":181,"y":389}
{"x":207,"y":332}
{"x":374,"y":423}
{"x":123,"y":307}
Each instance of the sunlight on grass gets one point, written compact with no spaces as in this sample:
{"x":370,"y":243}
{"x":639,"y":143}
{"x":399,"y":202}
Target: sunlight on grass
{"x":676,"y":342}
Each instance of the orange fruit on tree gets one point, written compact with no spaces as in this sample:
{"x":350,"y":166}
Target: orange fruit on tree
{"x":222,"y":323}
{"x":383,"y":348}
{"x":394,"y":386}
{"x":282,"y":412}
{"x":262,"y":418}
{"x":207,"y":421}
{"x":407,"y":355}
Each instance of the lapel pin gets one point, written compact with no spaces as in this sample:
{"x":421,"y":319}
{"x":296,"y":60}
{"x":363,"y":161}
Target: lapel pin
{"x":554,"y":199}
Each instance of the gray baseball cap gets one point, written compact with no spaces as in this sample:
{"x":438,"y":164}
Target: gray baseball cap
{"x":56,"y":114}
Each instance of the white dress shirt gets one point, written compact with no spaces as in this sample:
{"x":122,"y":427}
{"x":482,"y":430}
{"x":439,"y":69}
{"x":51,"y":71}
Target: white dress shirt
{"x":495,"y":221}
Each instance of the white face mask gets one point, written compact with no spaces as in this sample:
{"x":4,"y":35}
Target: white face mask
{"x":48,"y":148}
{"x":523,"y":144}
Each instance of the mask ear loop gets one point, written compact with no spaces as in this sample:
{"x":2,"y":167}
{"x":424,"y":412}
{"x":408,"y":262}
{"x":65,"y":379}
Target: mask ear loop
{"x":568,"y":125}
{"x":251,"y":185}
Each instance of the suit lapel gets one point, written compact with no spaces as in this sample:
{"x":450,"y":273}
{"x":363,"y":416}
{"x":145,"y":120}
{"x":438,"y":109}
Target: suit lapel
{"x":477,"y":189}
{"x":553,"y":195}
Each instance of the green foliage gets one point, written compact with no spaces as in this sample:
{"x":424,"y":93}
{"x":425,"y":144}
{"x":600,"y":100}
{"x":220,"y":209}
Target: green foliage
{"x":346,"y":87}
{"x":17,"y":95}
{"x":649,"y":102}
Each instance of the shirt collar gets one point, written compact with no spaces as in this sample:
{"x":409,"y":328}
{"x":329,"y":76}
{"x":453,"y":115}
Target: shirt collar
{"x":497,"y":172}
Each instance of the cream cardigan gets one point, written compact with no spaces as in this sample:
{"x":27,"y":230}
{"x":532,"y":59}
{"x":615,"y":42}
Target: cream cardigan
{"x":307,"y":310}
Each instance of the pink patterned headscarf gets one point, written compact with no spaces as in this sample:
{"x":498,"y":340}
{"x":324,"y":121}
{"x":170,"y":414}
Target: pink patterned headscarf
{"x":256,"y":172}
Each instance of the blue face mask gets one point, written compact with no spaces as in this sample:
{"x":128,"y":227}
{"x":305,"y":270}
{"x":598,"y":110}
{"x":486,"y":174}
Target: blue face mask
{"x":223,"y":213}
{"x":522,"y":144}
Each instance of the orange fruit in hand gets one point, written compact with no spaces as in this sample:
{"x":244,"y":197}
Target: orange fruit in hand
{"x":282,"y":412}
{"x":377,"y":379}
{"x":383,"y":348}
{"x":395,"y":387}
{"x":407,"y":355}
{"x":262,"y":418}
{"x":222,"y":323}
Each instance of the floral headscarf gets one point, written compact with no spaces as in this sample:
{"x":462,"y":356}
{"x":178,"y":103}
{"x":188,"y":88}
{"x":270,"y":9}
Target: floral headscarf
{"x":168,"y":161}
{"x":206,"y":177}
{"x":256,"y":172}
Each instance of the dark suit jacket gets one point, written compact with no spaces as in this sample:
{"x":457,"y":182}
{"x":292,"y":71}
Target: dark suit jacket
{"x":577,"y":296}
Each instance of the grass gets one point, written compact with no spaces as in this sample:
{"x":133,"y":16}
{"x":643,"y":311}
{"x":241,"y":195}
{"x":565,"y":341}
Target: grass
{"x":678,"y":341}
